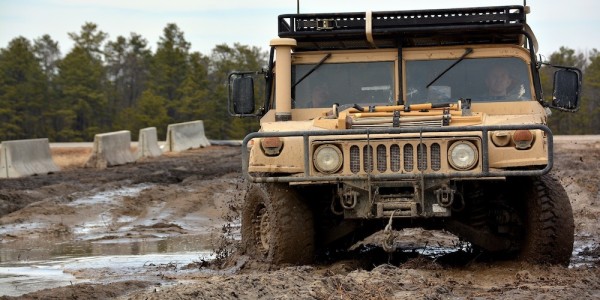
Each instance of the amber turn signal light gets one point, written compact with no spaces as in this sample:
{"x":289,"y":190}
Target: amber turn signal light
{"x":522,"y":139}
{"x":271,"y":146}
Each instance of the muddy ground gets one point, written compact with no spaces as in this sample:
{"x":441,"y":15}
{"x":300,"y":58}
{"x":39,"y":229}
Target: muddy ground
{"x":154,"y":230}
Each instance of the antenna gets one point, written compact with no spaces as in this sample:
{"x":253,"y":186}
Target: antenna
{"x":298,"y":6}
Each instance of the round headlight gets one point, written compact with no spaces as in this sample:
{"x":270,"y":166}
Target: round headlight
{"x":462,"y":155}
{"x":327,"y":159}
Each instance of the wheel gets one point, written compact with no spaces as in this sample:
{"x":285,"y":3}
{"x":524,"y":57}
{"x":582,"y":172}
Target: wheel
{"x":549,"y":227}
{"x":527,"y":218}
{"x":277,"y":226}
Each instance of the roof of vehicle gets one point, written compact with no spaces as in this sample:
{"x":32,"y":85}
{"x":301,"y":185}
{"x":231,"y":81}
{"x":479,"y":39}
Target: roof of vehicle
{"x":392,"y":29}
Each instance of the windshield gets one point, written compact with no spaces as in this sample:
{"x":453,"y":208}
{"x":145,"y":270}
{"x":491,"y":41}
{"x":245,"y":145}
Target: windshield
{"x":481,"y":80}
{"x":344,"y":83}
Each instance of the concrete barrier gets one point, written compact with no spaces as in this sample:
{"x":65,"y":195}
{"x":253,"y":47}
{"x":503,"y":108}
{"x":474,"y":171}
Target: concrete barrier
{"x":111,"y":149}
{"x":148,"y":143}
{"x":184,"y":136}
{"x":26,"y":157}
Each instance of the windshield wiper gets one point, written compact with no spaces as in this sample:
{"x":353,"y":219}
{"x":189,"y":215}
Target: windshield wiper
{"x":467,"y":52}
{"x":328,"y":55}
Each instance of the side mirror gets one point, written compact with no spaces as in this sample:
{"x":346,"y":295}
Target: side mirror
{"x":242,"y":90}
{"x":567,"y":89}
{"x":240,"y":100}
{"x":243,"y":95}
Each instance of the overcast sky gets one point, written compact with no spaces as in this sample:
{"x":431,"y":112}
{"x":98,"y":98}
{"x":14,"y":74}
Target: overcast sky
{"x":206,"y":23}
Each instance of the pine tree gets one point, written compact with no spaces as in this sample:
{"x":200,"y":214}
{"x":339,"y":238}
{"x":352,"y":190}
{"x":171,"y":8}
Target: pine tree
{"x":47,"y":52}
{"x":83,"y":108}
{"x":169,"y":67}
{"x":127,"y":68}
{"x":591,"y":91}
{"x":194,"y":92}
{"x":22,"y":90}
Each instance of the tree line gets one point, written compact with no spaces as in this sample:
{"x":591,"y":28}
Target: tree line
{"x":103,"y":85}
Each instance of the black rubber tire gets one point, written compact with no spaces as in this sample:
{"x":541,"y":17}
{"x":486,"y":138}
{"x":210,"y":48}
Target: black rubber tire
{"x":549,"y":227}
{"x":277,"y":225}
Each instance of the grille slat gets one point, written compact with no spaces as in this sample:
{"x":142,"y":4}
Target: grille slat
{"x":354,"y":159}
{"x":408,"y":158}
{"x":395,"y":158}
{"x":436,"y":157}
{"x":422,"y":157}
{"x":381,"y":158}
{"x":368,"y":158}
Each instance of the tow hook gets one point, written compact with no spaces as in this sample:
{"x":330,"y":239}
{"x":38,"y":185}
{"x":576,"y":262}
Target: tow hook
{"x":444,"y":196}
{"x":389,"y":237}
{"x":349,"y":199}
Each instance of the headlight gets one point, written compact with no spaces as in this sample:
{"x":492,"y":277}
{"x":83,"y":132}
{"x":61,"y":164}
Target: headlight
{"x":327,"y":159}
{"x":462,"y":155}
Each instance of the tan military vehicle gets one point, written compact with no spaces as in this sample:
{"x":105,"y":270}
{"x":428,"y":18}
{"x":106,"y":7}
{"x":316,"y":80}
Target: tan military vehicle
{"x":387,"y":120}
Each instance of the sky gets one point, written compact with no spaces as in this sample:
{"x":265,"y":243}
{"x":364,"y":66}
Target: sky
{"x":207,"y":23}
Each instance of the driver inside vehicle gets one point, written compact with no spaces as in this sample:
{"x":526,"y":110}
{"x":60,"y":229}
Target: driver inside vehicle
{"x":319,"y":96}
{"x":498,"y":81}
{"x":501,"y":85}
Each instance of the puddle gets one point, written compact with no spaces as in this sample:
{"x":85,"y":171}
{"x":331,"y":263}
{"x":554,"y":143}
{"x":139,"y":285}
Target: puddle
{"x":29,"y":277}
{"x":585,"y":254}
{"x":16,"y":281}
{"x":18,"y":227}
{"x":88,"y":224}
{"x":27,"y":267}
{"x":109,"y":196}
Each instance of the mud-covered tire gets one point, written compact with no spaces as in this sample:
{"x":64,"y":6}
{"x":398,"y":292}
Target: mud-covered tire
{"x":549,"y":228}
{"x":277,"y":225}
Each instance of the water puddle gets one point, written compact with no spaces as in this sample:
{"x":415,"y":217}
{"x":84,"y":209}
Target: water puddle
{"x":28,"y":267}
{"x":586,"y":252}
{"x":16,"y":281}
{"x":109,"y":196}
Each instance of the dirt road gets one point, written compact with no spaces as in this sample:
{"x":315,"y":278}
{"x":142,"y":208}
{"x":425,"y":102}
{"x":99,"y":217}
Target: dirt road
{"x":150,"y":230}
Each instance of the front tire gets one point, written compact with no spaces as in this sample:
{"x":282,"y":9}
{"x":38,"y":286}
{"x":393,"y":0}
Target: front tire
{"x":277,"y":225}
{"x":549,"y":226}
{"x":524,"y":218}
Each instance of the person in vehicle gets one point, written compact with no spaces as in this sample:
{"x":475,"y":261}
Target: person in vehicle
{"x":498,"y":82}
{"x":319,"y":96}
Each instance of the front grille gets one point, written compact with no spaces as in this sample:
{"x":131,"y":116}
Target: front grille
{"x":395,"y":157}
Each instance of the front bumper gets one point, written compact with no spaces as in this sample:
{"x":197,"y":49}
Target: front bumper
{"x":366,"y":134}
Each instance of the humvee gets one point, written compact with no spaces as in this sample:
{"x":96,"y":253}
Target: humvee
{"x":385,"y":120}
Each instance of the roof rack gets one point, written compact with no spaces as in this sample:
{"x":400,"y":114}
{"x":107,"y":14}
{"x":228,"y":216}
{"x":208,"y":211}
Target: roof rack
{"x":459,"y":26}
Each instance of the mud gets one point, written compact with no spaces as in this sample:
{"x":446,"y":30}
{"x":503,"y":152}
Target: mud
{"x":168,"y":227}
